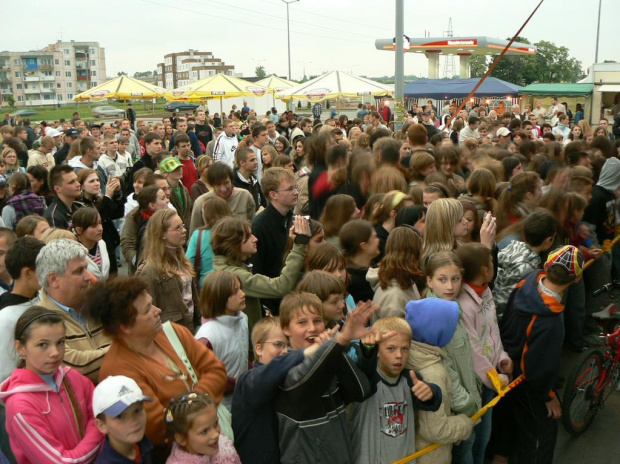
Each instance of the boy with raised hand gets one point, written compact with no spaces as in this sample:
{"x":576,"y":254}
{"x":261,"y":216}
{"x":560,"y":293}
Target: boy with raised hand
{"x":311,"y":406}
{"x":532,"y":331}
{"x":384,"y":424}
{"x":120,"y":416}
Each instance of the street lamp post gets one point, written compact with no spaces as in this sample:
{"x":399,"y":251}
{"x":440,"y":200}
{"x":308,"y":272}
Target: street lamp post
{"x":399,"y":68}
{"x":598,"y":28}
{"x":288,"y":33}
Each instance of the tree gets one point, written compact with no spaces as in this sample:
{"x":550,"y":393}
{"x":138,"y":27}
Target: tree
{"x":10,"y":99}
{"x":550,"y":64}
{"x":142,"y":75}
{"x":260,"y":72}
{"x":478,"y":65}
{"x":121,"y":73}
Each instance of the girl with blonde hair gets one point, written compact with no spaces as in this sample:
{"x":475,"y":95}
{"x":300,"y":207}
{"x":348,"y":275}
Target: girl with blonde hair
{"x":445,"y":223}
{"x":167,"y":270}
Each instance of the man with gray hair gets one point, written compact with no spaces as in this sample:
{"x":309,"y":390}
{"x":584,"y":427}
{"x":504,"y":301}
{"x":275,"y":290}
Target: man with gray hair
{"x":64,"y":278}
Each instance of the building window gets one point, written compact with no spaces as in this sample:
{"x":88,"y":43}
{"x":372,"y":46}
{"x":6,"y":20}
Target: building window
{"x":67,"y":63}
{"x":57,"y":73}
{"x":58,"y":85}
{"x":16,"y":61}
{"x":67,"y":73}
{"x":20,"y":98}
{"x":69,"y":85}
{"x":92,"y":51}
{"x":47,"y":96}
{"x":20,"y":86}
{"x":93,"y":62}
{"x":93,"y":73}
{"x":69,"y":96}
{"x":93,"y":84}
{"x":56,"y":62}
{"x":58,"y":96}
{"x":66,"y":50}
{"x":18,"y":74}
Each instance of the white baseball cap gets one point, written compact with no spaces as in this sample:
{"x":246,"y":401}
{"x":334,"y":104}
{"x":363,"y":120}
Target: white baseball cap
{"x":51,"y":132}
{"x":503,"y":132}
{"x":115,"y":394}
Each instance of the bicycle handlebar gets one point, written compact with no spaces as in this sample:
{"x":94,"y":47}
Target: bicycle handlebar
{"x":606,"y":288}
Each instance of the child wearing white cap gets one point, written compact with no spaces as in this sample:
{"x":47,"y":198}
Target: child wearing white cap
{"x":120,"y":416}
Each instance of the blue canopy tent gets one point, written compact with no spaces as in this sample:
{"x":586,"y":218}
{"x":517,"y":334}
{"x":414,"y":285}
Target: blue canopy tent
{"x":447,"y":89}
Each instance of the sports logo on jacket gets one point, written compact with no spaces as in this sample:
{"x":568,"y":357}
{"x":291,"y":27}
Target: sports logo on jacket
{"x":393,"y":419}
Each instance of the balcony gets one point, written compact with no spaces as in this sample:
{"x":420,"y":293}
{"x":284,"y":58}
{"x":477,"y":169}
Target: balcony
{"x":48,"y":78}
{"x":50,"y":90}
{"x":5,"y":66}
{"x":32,"y":91}
{"x":81,"y":64}
{"x":46,"y":67}
{"x":82,"y":78}
{"x":32,"y":78}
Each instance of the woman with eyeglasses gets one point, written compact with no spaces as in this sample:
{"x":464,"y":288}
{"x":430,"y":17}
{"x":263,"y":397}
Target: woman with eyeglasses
{"x":141,"y":350}
{"x":167,"y":271}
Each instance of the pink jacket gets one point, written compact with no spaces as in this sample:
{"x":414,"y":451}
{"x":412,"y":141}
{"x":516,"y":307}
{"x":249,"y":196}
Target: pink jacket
{"x":480,"y":320}
{"x":40,"y":422}
{"x":226,"y":455}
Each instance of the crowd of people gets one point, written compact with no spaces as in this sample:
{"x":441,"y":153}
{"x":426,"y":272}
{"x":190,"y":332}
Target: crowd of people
{"x":270,"y":288}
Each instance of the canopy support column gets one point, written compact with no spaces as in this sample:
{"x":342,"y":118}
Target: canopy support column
{"x":433,"y":63}
{"x":464,"y":65}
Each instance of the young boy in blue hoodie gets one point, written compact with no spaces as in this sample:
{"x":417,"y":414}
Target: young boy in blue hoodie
{"x":120,"y":416}
{"x":532,"y":332}
{"x":384,"y":424}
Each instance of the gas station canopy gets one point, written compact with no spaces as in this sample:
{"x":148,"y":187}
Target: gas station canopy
{"x":464,"y":47}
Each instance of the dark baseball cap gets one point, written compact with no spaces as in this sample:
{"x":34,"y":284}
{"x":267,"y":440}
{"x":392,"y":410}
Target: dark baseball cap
{"x":73,"y":133}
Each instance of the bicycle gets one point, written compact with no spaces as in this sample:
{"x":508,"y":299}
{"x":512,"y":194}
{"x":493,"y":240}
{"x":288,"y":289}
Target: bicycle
{"x":596,"y":375}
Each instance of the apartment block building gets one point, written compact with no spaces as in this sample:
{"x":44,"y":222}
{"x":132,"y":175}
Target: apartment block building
{"x":182,"y":68}
{"x":51,"y":75}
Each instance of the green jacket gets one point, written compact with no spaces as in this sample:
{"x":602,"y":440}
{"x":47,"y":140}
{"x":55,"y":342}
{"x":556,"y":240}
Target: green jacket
{"x":258,"y":286}
{"x":466,"y":392}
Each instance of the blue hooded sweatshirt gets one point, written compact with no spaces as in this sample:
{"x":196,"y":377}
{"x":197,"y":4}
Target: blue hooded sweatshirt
{"x":432,"y":320}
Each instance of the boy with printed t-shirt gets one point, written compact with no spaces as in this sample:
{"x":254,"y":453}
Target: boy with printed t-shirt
{"x":532,"y":331}
{"x":120,"y":416}
{"x":384,"y":424}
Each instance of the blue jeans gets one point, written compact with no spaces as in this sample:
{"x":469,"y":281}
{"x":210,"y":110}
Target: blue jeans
{"x":483,"y":429}
{"x":463,"y":452}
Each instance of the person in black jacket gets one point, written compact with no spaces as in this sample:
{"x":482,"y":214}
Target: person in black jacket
{"x":532,"y":332}
{"x":67,"y":188}
{"x":245,"y":175}
{"x":271,"y":227}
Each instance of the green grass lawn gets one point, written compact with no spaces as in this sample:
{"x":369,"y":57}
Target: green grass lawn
{"x":52,"y":113}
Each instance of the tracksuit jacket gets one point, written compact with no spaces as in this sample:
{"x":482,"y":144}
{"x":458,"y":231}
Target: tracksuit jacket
{"x":532,"y":331}
{"x":40,"y":421}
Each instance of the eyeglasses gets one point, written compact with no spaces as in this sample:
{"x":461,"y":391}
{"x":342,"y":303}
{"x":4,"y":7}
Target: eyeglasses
{"x":179,"y":228}
{"x":279,"y":345}
{"x":294,"y":188}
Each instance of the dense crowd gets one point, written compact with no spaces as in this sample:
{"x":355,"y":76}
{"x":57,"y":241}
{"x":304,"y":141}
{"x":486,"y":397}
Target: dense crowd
{"x":299,"y":290}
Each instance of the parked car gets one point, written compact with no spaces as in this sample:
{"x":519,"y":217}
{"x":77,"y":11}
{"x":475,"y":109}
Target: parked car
{"x":107,"y":111}
{"x":23,"y":113}
{"x":178,"y":106}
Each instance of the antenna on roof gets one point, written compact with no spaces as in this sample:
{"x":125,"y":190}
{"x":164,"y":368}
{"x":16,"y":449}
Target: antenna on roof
{"x":449,"y":68}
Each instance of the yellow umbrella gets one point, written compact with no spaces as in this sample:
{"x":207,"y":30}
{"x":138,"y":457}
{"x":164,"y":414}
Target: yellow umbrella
{"x":275,"y":84}
{"x":335,"y":84}
{"x":219,"y":86}
{"x":123,"y":88}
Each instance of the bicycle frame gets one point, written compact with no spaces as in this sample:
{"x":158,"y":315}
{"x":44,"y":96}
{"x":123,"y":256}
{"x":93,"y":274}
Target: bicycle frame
{"x":611,"y":359}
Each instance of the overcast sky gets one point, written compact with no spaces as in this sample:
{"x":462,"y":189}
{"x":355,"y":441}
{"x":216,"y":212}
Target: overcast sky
{"x":325,"y":34}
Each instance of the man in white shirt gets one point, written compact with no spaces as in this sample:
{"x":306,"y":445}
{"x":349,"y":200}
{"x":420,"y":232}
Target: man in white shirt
{"x":555,"y":110}
{"x":226,"y":144}
{"x":261,"y":138}
{"x":539,"y":112}
{"x":471,"y":130}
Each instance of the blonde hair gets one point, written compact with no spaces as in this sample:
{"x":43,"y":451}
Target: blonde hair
{"x":393,"y":324}
{"x":155,"y":250}
{"x":386,"y":179}
{"x":55,"y":234}
{"x":441,"y":218}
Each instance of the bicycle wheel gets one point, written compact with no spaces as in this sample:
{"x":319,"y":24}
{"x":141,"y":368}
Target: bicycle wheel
{"x":580,"y":401}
